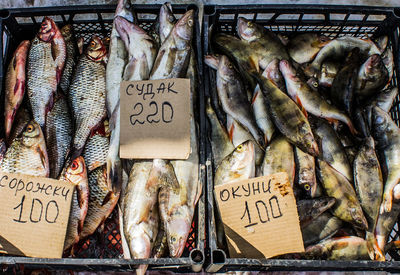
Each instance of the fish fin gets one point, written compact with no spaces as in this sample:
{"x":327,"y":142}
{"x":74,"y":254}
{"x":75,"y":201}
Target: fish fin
{"x":301,"y":106}
{"x":386,"y":205}
{"x":144,"y":215}
{"x":43,"y":158}
{"x":53,"y":51}
{"x":157,"y":61}
{"x":79,"y":44}
{"x":254,"y":63}
{"x":230,"y":132}
{"x":107,"y":198}
{"x":254,"y":97}
{"x":19,"y":86}
{"x":145,"y":70}
{"x":14,"y":63}
{"x":340,"y":245}
{"x":198,"y":192}
{"x":130,"y":68}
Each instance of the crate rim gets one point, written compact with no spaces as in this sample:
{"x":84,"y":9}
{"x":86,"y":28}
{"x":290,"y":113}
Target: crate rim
{"x":196,"y":258}
{"x":217,"y":261}
{"x":211,"y":10}
{"x":39,"y":11}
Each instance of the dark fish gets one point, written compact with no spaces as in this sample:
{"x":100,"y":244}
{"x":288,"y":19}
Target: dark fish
{"x":309,"y":210}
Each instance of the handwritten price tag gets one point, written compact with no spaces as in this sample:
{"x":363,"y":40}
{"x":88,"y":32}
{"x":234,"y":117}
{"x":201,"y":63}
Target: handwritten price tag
{"x":34,"y":215}
{"x":155,"y":119}
{"x":260,"y":217}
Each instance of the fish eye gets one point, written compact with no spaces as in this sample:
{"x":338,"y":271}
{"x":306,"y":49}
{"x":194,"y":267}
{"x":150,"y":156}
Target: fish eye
{"x":315,"y":84}
{"x":240,"y":148}
{"x":30,"y":128}
{"x":307,"y":187}
{"x":380,"y":120}
{"x":190,"y":22}
{"x":170,"y":18}
{"x":92,"y":44}
{"x":74,"y":165}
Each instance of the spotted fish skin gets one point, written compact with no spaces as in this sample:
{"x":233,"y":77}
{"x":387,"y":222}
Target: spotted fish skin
{"x":87,"y":93}
{"x":102,"y":201}
{"x":58,"y":135}
{"x":27,"y":155}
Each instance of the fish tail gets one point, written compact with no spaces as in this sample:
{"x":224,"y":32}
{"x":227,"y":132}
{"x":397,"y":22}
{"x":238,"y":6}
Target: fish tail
{"x":386,"y":205}
{"x":141,"y":270}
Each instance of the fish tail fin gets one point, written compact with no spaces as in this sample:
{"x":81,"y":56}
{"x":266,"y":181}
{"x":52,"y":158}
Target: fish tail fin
{"x":114,"y":174}
{"x":141,"y":270}
{"x":374,"y":251}
{"x":386,"y":205}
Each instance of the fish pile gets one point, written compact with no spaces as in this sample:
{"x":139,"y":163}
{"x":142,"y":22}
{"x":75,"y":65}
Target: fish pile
{"x":67,"y":127}
{"x":59,"y":129}
{"x":317,"y":109}
{"x":158,"y":197}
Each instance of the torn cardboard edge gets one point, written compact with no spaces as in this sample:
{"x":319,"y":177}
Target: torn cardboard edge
{"x":253,"y":211}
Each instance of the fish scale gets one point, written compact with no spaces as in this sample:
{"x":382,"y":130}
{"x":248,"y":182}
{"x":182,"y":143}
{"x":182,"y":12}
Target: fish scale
{"x":95,"y":152}
{"x":58,"y":135}
{"x":101,"y":201}
{"x":41,"y":78}
{"x":88,"y":98}
{"x":70,"y":60}
{"x":27,"y":154}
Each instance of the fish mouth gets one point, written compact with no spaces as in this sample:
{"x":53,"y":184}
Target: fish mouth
{"x":47,"y":30}
{"x":243,"y":29}
{"x":285,"y":68}
{"x":184,"y":26}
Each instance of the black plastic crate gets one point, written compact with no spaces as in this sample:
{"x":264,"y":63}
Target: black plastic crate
{"x":104,"y":251}
{"x":332,"y":21}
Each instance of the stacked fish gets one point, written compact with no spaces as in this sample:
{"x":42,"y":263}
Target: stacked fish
{"x":60,"y":131}
{"x":316,"y":109}
{"x":159,"y":197}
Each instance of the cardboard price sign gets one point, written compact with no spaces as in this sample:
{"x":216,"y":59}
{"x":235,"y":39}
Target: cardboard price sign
{"x":155,"y":119}
{"x":34,"y":215}
{"x":260,"y":217}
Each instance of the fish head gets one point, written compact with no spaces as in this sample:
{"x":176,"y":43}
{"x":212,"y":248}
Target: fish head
{"x":212,"y":60}
{"x":76,"y":171}
{"x":287,"y":70}
{"x":139,"y":244}
{"x":184,"y":27}
{"x":226,"y":70}
{"x":316,"y":251}
{"x":322,"y":41}
{"x":243,"y":158}
{"x":96,"y":50}
{"x":178,"y":230}
{"x":123,"y":9}
{"x":32,"y":134}
{"x":310,"y":144}
{"x":380,"y":122}
{"x":358,"y":217}
{"x":47,"y":30}
{"x":130,"y":33}
{"x":167,"y":19}
{"x":248,"y":30}
{"x":66,"y":32}
{"x":373,"y":64}
{"x":313,"y":83}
